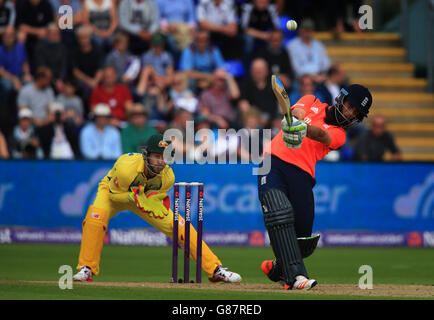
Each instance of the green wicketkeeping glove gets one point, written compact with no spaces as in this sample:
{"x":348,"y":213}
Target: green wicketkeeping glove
{"x":154,"y":203}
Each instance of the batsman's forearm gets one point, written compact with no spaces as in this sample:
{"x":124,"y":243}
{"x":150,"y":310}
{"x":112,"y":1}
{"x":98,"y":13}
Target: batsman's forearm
{"x":318,"y":134}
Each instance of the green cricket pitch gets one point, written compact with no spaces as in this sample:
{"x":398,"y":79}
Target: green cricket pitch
{"x":31,"y":271}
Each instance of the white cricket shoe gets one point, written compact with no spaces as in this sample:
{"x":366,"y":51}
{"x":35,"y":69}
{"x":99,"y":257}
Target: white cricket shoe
{"x":224,"y":275}
{"x":302,"y":283}
{"x":85,"y":274}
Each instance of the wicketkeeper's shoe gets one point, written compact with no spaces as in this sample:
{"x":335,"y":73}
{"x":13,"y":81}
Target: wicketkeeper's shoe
{"x":224,"y":275}
{"x":302,"y":283}
{"x":85,"y":274}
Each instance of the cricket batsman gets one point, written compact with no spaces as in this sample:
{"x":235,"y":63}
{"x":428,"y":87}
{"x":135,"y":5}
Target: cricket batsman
{"x":285,"y":193}
{"x":138,"y":183}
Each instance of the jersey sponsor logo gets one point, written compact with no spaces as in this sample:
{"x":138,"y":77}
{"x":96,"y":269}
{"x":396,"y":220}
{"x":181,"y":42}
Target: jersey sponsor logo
{"x":315,"y":110}
{"x":326,"y":126}
{"x":96,"y":215}
{"x":115,"y":181}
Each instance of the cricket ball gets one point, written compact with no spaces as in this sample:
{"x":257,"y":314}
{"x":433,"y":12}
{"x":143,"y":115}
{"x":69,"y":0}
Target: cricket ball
{"x":291,"y":25}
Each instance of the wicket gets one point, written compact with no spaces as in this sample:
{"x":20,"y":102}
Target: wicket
{"x":176,"y":200}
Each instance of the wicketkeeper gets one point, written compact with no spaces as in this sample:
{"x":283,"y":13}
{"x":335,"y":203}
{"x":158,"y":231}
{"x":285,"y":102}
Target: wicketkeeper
{"x":286,"y":193}
{"x":138,"y":183}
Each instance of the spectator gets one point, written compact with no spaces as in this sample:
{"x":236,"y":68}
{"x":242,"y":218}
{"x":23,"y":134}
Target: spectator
{"x":157,"y":101}
{"x":4,"y":152}
{"x":157,"y":66}
{"x":216,"y":102}
{"x":127,"y":66}
{"x":52,"y":53}
{"x":308,"y":55}
{"x":251,"y":120}
{"x":86,"y":62}
{"x":307,"y":86}
{"x":278,"y":59}
{"x":60,"y":17}
{"x":180,"y":93}
{"x":117,"y":96}
{"x":74,"y":110}
{"x":33,"y":17}
{"x":218,"y":17}
{"x":177,"y":22}
{"x":338,"y":11}
{"x":256,"y":91}
{"x":102,"y":17}
{"x":258,"y":19}
{"x":180,"y":122}
{"x":98,"y":139}
{"x":7,"y":15}
{"x":331,"y":87}
{"x":24,"y":143}
{"x":58,"y":138}
{"x":37,"y":95}
{"x":140,"y":19}
{"x":200,"y":60}
{"x":14,"y":65}
{"x":135,"y":135}
{"x":374,"y":143}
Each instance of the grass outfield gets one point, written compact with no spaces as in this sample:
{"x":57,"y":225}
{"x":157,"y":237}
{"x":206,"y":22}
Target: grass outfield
{"x":30,"y":271}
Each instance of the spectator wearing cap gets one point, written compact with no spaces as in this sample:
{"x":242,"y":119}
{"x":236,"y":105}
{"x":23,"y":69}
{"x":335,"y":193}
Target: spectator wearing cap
{"x":37,"y":95}
{"x":140,"y":19}
{"x":52,"y":53}
{"x":73,"y":104}
{"x":308,"y":55}
{"x":200,"y":60}
{"x":99,"y":139}
{"x":117,"y":96}
{"x":135,"y":135}
{"x":216,"y":102}
{"x":177,"y":22}
{"x":277,"y":57}
{"x":24,"y":143}
{"x":374,"y":143}
{"x":158,"y":66}
{"x":219,"y":18}
{"x":258,"y":20}
{"x":127,"y":66}
{"x":58,"y":138}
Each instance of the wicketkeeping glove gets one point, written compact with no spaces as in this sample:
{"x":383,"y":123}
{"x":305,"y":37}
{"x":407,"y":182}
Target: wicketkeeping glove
{"x":294,"y":134}
{"x":155,"y":204}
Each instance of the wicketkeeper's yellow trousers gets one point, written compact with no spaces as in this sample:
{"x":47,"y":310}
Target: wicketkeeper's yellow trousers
{"x":103,"y":209}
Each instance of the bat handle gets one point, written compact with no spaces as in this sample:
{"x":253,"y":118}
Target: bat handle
{"x":288,"y":118}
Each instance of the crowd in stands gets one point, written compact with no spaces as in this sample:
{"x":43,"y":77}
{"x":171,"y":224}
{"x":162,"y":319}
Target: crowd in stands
{"x":130,"y":68}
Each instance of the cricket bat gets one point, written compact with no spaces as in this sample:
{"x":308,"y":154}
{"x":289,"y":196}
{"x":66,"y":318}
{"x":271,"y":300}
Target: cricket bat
{"x":282,"y":97}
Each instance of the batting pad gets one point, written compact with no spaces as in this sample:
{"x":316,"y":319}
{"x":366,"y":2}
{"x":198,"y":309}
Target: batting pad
{"x":94,"y":231}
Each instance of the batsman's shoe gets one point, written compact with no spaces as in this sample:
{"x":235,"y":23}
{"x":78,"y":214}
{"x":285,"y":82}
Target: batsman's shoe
{"x":302,"y":283}
{"x":85,"y":274}
{"x":224,"y":275}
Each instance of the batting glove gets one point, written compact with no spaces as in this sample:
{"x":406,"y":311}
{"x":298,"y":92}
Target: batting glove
{"x":154,"y":203}
{"x":294,"y":134}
